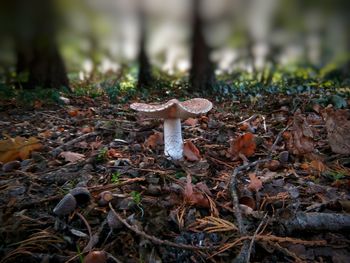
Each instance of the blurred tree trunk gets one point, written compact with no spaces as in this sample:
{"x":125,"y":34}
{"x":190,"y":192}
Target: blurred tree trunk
{"x":202,"y":74}
{"x":145,"y":72}
{"x":39,"y":62}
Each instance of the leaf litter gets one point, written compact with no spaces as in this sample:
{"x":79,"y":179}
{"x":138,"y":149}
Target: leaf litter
{"x":292,"y":187}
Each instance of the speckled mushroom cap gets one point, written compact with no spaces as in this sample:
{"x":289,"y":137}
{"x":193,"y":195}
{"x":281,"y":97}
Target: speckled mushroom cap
{"x":174,"y":108}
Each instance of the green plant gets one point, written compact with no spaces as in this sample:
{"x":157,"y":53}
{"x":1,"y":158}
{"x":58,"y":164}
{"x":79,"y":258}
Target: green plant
{"x":136,"y":197}
{"x":115,"y":177}
{"x":179,"y":174}
{"x":335,"y":175}
{"x":102,"y":154}
{"x":81,"y":258}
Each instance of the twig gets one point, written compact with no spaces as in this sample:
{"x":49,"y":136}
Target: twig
{"x":50,"y":116}
{"x":287,"y":252}
{"x":154,"y":239}
{"x":116,"y":185}
{"x":220,"y":162}
{"x":244,"y":254}
{"x":254,"y":236}
{"x":89,"y":230}
{"x":60,"y":148}
{"x":301,"y":221}
{"x":250,"y":118}
{"x":277,"y":140}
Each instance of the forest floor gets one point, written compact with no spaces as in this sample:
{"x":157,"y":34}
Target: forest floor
{"x":263,"y":180}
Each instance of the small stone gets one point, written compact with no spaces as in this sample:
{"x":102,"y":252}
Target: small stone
{"x":136,"y":147}
{"x":273,"y":165}
{"x":283,"y":157}
{"x":64,"y":100}
{"x":154,"y":189}
{"x":10,"y":166}
{"x":66,"y":205}
{"x":26,"y":162}
{"x":17,"y":190}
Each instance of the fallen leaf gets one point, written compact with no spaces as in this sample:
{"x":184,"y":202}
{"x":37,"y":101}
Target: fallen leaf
{"x":244,"y":126}
{"x":338,"y":127}
{"x":72,"y":157}
{"x":244,"y":144}
{"x":38,"y":104}
{"x":18,"y":148}
{"x":255,"y":183}
{"x":300,"y":139}
{"x":305,"y":166}
{"x":193,"y":197}
{"x":191,"y":152}
{"x":154,"y":140}
{"x":73,"y":112}
{"x":113,"y":153}
{"x":87,"y":129}
{"x":191,"y":122}
{"x":95,"y":145}
{"x":317,"y":166}
{"x":45,"y":134}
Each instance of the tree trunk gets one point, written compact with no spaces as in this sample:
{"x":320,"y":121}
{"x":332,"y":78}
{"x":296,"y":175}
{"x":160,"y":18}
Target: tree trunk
{"x":145,"y":73}
{"x":202,"y":74}
{"x":38,"y":59}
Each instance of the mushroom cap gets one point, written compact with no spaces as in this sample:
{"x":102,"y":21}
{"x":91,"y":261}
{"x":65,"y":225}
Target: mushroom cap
{"x":66,"y":205}
{"x":81,"y":194}
{"x":174,"y":109}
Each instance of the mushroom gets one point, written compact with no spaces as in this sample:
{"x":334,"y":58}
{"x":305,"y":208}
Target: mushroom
{"x":66,"y":205}
{"x":172,"y":112}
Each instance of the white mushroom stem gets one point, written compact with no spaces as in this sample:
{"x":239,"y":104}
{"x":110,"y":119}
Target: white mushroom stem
{"x":173,"y":144}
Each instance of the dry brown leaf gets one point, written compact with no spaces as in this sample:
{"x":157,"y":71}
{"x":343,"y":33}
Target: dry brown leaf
{"x":113,"y":153}
{"x":87,"y":129}
{"x":95,"y":145}
{"x":73,"y":112}
{"x":18,"y":148}
{"x":244,"y":144}
{"x":38,"y":104}
{"x":317,"y":166}
{"x":193,"y":197}
{"x":338,"y":127}
{"x":255,"y":183}
{"x":305,"y":166}
{"x":154,"y":140}
{"x":45,"y":134}
{"x":72,"y":157}
{"x":244,"y":126}
{"x":191,"y":152}
{"x":300,"y":139}
{"x":191,"y":122}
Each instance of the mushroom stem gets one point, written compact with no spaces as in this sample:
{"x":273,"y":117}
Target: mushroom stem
{"x":173,"y":144}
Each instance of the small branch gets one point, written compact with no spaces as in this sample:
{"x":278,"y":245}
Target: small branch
{"x":90,"y":244}
{"x":254,"y":236}
{"x":314,"y":222}
{"x":55,"y":152}
{"x":154,"y":239}
{"x":250,"y":118}
{"x":277,"y":140}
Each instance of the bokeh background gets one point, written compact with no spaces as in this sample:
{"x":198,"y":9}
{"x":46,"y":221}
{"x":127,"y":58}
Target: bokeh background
{"x":92,"y":38}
